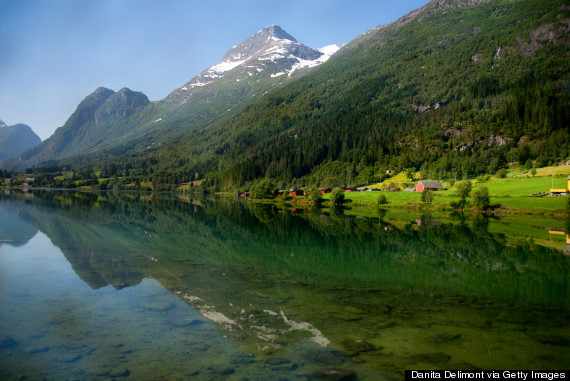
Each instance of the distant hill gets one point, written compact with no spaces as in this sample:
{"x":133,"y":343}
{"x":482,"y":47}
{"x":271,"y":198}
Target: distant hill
{"x":15,"y":139}
{"x":97,"y":122}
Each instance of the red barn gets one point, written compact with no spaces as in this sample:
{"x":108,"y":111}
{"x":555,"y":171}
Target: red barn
{"x":296,"y":192}
{"x":430,"y":185}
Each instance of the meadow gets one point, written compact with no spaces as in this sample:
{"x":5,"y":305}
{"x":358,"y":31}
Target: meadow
{"x":518,"y":192}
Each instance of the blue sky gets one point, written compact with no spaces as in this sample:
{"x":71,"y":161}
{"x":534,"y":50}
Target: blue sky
{"x":53,"y":53}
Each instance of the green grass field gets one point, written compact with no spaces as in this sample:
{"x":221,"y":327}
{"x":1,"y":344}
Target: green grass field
{"x":513,"y":193}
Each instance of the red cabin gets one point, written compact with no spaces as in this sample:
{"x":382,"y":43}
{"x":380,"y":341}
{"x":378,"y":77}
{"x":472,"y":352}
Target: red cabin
{"x":430,"y":185}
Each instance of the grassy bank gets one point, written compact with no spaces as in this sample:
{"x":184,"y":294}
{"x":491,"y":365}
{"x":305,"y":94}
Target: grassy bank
{"x":518,"y":193}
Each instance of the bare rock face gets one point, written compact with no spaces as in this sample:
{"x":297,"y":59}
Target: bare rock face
{"x":497,"y":141}
{"x":548,"y":33}
{"x":423,"y":108}
{"x":477,"y":58}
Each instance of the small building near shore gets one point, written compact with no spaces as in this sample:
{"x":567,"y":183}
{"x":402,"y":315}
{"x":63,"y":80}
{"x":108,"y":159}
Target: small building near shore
{"x":297,"y":192}
{"x":325,"y":190}
{"x":429,"y":185}
{"x":561,"y":192}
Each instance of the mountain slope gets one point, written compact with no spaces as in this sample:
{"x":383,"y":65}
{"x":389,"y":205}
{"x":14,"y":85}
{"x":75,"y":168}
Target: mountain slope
{"x":454,"y":88}
{"x":15,"y":139}
{"x":258,"y":65}
{"x":95,"y":123}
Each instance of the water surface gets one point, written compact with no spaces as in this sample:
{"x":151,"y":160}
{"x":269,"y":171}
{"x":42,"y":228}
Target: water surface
{"x":132,"y":286}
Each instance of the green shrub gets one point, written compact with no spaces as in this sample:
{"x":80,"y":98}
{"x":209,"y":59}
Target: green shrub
{"x":463,"y":189}
{"x":381,"y":200}
{"x":501,"y":173}
{"x":337,"y":196}
{"x":263,"y":189}
{"x":316,"y":196}
{"x":427,"y":196}
{"x":481,"y":198}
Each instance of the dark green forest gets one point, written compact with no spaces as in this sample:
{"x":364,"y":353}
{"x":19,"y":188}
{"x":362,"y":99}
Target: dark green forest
{"x":457,"y":91}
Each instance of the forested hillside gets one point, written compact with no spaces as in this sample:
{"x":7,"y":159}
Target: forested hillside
{"x":457,"y":88}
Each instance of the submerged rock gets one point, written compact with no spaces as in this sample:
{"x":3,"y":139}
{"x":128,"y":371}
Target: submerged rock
{"x":445,"y":337}
{"x":554,"y":340}
{"x":434,"y":358}
{"x":186,"y":322}
{"x":120,"y":373}
{"x":336,"y":374}
{"x":7,"y":342}
{"x":329,"y":358}
{"x":358,"y":346}
{"x":159,"y":306}
{"x":222,"y":370}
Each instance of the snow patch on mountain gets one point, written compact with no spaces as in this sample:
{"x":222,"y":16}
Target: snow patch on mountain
{"x":269,"y":53}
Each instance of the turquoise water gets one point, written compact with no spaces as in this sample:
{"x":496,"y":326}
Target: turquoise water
{"x":129,"y":286}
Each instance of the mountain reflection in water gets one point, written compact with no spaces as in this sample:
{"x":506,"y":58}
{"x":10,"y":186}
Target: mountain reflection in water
{"x":379,"y":294}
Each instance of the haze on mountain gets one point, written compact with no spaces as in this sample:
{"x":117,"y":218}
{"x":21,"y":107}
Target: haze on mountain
{"x":455,"y":88}
{"x":15,"y":139}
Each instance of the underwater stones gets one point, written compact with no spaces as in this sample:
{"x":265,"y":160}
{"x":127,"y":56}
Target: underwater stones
{"x":120,"y":372}
{"x":281,"y":364}
{"x":159,"y":306}
{"x":335,"y":374}
{"x":36,"y":350}
{"x":434,"y":358}
{"x":221,"y":370}
{"x":69,"y":357}
{"x":7,"y":342}
{"x":348,"y":316}
{"x":386,"y":325}
{"x":358,"y":346}
{"x":289,"y":366}
{"x":553,"y":340}
{"x":353,"y":310}
{"x":186,"y":322}
{"x":116,"y":373}
{"x":333,"y":357}
{"x":464,"y":366}
{"x":442,"y":338}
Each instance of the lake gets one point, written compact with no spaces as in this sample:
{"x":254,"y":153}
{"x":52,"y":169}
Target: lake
{"x":141,"y":286}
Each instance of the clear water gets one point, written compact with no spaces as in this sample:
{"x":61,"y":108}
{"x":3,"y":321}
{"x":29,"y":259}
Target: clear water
{"x":124,"y":286}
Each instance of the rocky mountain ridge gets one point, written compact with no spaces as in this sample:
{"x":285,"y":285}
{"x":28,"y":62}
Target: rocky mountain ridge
{"x":269,"y":53}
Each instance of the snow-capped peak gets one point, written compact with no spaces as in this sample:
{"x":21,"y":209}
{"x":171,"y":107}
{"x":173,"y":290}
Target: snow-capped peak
{"x":269,"y":53}
{"x":330,"y":49}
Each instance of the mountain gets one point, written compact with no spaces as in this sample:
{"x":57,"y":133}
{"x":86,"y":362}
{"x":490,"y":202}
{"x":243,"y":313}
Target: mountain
{"x":100,"y":120}
{"x":269,"y":53}
{"x":127,"y":121}
{"x":455,"y":88}
{"x":15,"y":139}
